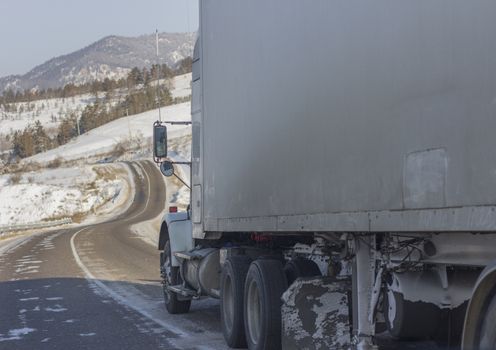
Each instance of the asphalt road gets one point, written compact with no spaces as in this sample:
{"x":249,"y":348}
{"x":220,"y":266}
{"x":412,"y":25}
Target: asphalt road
{"x":98,"y":287}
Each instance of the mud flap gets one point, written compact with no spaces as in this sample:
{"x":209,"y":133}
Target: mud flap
{"x":315,"y":314}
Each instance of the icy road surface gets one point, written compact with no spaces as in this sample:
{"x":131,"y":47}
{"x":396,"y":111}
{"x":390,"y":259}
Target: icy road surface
{"x":97,"y":287}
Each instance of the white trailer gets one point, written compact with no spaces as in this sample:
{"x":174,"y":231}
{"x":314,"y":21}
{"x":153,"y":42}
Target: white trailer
{"x":343,"y":173}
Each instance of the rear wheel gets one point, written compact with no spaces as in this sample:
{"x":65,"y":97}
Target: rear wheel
{"x":300,"y":267}
{"x":265,"y":283}
{"x":232,"y":300}
{"x":487,"y":334}
{"x":171,"y":277}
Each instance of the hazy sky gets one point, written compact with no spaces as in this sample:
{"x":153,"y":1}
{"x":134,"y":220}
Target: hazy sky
{"x":33,"y":31}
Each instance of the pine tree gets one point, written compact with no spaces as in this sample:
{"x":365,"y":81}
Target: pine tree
{"x":41,"y":139}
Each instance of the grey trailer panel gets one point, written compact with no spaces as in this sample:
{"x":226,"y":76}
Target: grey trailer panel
{"x":325,"y":107}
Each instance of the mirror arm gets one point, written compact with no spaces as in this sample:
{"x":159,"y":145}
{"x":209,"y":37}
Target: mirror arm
{"x":181,"y":163}
{"x":173,"y":122}
{"x":184,"y":183}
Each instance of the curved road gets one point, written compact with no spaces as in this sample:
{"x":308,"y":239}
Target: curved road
{"x":98,"y":287}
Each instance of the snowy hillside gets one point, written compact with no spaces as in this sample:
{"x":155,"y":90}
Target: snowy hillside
{"x":111,"y":57}
{"x":50,"y":111}
{"x":84,"y":188}
{"x":181,"y":86}
{"x":103,"y":139}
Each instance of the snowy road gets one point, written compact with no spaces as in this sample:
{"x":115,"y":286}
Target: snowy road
{"x":97,"y":287}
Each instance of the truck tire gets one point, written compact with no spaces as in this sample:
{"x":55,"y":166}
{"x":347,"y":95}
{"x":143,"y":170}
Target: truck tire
{"x":408,"y":320}
{"x":265,"y":283}
{"x":485,"y":328}
{"x":300,"y":267}
{"x":232,"y":283}
{"x":170,"y":277}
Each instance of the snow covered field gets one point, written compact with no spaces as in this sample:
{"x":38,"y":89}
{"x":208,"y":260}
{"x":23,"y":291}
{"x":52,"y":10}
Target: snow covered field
{"x":182,"y":86}
{"x":51,"y":194}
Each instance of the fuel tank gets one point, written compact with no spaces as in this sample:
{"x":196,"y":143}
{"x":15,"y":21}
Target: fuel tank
{"x":202,"y":271}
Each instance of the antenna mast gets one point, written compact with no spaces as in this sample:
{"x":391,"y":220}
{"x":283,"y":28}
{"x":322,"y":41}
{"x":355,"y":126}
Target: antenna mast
{"x":158,"y":77}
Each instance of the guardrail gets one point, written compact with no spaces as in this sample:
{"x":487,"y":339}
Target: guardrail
{"x":10,"y":228}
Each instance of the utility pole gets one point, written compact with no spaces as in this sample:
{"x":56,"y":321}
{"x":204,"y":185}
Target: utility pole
{"x":127,"y":109}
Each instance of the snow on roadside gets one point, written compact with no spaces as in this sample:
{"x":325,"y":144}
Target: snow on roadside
{"x":51,"y":194}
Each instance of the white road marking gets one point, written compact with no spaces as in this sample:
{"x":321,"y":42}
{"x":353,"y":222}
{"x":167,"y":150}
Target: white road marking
{"x":92,"y":279}
{"x":180,"y":333}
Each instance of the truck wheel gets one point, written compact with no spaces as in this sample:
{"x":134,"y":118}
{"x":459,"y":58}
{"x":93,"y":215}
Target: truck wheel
{"x":485,"y":329}
{"x":410,"y":320}
{"x":232,"y":283}
{"x":300,"y":267}
{"x":265,"y":283}
{"x":171,"y":277}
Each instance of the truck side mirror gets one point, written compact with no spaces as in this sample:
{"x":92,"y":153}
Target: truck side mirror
{"x":159,"y":142}
{"x":167,"y":168}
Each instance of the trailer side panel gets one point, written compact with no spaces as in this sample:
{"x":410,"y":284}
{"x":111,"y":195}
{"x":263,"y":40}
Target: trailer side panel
{"x":332,"y":110}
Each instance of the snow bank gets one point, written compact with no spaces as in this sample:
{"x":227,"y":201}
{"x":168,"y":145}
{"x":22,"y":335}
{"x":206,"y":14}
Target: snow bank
{"x":57,"y":193}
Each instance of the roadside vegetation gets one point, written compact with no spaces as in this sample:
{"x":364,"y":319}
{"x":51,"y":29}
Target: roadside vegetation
{"x":128,"y":145}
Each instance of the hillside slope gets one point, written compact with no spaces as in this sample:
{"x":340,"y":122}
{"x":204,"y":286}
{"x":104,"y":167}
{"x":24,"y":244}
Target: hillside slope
{"x":110,"y":57}
{"x":140,"y":126}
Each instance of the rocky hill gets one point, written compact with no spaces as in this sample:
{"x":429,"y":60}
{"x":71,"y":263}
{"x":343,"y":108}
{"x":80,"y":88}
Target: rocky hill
{"x":111,"y":57}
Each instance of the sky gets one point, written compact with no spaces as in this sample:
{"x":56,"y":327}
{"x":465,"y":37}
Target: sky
{"x":34,"y":31}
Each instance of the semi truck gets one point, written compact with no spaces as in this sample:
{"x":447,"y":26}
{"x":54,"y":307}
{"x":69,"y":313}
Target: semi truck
{"x":343,"y":174}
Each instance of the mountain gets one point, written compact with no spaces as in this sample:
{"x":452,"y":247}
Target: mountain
{"x":111,"y":57}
